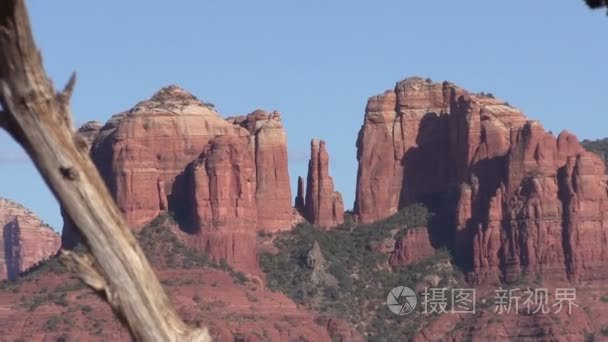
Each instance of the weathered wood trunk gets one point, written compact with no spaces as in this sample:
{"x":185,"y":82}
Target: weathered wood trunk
{"x":40,"y":120}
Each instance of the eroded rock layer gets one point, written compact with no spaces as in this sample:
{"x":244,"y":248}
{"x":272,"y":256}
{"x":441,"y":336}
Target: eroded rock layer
{"x":142,"y":153}
{"x":413,"y":246}
{"x":323,"y":206}
{"x":299,"y":201}
{"x":273,"y":191}
{"x":25,"y":239}
{"x":222,"y":183}
{"x":522,"y":200}
{"x":222,"y":179}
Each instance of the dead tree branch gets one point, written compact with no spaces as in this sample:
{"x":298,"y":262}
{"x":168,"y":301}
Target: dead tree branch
{"x":40,"y":120}
{"x":595,"y":4}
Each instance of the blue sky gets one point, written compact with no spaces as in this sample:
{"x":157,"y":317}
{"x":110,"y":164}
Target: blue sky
{"x":317,"y":62}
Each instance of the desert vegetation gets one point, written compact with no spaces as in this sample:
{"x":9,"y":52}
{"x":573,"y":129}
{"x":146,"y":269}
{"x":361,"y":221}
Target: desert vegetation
{"x":599,"y":147}
{"x":358,"y":278}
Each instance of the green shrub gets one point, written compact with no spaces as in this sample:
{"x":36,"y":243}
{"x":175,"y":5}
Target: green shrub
{"x":240,"y":277}
{"x":599,"y":147}
{"x":364,"y":278}
{"x":52,"y":324}
{"x":98,"y":328}
{"x":162,"y":246}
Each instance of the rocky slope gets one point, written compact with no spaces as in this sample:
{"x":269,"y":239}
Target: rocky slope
{"x":520,"y":199}
{"x":345,"y":272}
{"x":323,"y":206}
{"x":48,"y":304}
{"x":25,"y":239}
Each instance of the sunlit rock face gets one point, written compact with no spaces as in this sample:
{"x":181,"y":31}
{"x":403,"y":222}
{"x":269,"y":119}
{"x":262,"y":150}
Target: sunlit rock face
{"x":323,"y":205}
{"x":25,"y":239}
{"x":520,"y":199}
{"x":222,"y":179}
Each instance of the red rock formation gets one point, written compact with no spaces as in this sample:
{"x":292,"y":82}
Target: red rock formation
{"x":25,"y":239}
{"x":413,"y":246}
{"x":400,"y":128}
{"x":521,"y":200}
{"x":237,"y":182}
{"x":299,"y":202}
{"x":223,"y":200}
{"x":323,"y":206}
{"x":143,"y":152}
{"x":273,"y":191}
{"x":584,"y":193}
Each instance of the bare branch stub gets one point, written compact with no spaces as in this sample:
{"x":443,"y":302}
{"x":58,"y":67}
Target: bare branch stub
{"x":595,"y":4}
{"x":40,"y":120}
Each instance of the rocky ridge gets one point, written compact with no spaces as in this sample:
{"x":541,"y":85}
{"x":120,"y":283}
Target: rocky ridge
{"x":222,"y":179}
{"x":25,"y":239}
{"x":521,"y":199}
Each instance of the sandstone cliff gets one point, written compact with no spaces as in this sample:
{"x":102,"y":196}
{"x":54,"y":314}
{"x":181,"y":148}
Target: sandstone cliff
{"x":142,"y":153}
{"x":25,"y":239}
{"x":323,"y":206}
{"x":273,"y":191}
{"x":299,"y":200}
{"x":413,"y":246}
{"x":521,"y":199}
{"x":223,"y":200}
{"x":222,"y":179}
